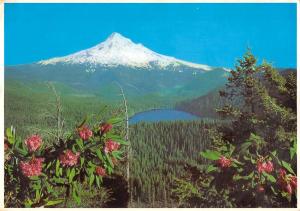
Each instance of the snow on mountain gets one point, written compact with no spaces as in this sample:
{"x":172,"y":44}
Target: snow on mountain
{"x":117,"y":50}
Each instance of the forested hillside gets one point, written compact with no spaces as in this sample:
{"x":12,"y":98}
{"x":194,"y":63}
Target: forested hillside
{"x":160,"y":151}
{"x":205,"y":106}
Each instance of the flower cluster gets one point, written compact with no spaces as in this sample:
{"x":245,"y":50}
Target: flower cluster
{"x":33,"y":167}
{"x":224,"y":162}
{"x":85,"y":133}
{"x":105,"y":127}
{"x":33,"y":142}
{"x":287,"y":182}
{"x":69,"y":158}
{"x":100,"y":171}
{"x":264,"y":166}
{"x":110,"y":146}
{"x":76,"y":159}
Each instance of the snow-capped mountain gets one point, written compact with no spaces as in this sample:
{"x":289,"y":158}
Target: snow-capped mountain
{"x":143,"y":74}
{"x":118,"y":50}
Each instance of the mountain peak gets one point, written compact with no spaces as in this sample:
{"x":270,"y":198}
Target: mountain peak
{"x":116,"y":40}
{"x":116,"y":35}
{"x":118,"y":50}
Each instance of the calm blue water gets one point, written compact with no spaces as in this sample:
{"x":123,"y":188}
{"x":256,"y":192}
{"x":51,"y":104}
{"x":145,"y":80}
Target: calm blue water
{"x":161,"y":115}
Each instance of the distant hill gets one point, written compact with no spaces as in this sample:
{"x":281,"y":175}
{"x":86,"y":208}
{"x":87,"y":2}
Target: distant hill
{"x":205,"y":106}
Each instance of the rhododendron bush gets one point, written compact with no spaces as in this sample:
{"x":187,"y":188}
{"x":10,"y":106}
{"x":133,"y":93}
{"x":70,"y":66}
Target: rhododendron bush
{"x":252,"y":161}
{"x":33,"y":170}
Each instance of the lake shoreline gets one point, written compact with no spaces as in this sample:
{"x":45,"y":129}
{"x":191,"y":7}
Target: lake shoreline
{"x":161,"y":114}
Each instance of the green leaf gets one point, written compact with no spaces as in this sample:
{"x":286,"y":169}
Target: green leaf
{"x":237,"y":177}
{"x":54,"y":202}
{"x":49,"y":164}
{"x":118,"y":139}
{"x":37,"y":195}
{"x":122,"y":142}
{"x":274,"y":153}
{"x":79,"y":143}
{"x":57,"y":168}
{"x":21,"y":151}
{"x":59,"y":180}
{"x":287,"y":166}
{"x":211,"y":155}
{"x":253,"y":161}
{"x":75,"y":194}
{"x":98,"y":181}
{"x":99,"y":154}
{"x":10,"y":136}
{"x":28,"y":203}
{"x":211,"y":168}
{"x":34,"y":178}
{"x":81,"y":161}
{"x":68,"y":172}
{"x":116,"y":154}
{"x":273,"y":190}
{"x":36,"y":186}
{"x":109,"y":160}
{"x":269,"y":177}
{"x":293,"y":150}
{"x":236,"y":161}
{"x":92,"y":178}
{"x":72,"y":174}
{"x":245,"y":146}
{"x":231,"y":148}
{"x":115,"y":120}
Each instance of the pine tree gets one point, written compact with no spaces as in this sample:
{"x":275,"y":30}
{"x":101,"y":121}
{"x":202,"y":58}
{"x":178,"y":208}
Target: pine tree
{"x":253,"y":160}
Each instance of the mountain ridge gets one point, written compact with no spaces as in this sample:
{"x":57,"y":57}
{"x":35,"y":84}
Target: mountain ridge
{"x":149,"y":79}
{"x":118,"y":50}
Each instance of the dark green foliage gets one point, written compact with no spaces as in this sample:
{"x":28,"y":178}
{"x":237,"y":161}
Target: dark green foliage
{"x":160,"y":152}
{"x":260,"y":109}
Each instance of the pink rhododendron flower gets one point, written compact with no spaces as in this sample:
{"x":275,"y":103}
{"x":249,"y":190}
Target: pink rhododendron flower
{"x":282,"y":173}
{"x":111,"y":145}
{"x":32,"y":168}
{"x":85,"y":133}
{"x":69,"y":158}
{"x":294,"y":182}
{"x":260,"y":166}
{"x":224,"y":162}
{"x":269,"y":166}
{"x":105,"y":127}
{"x":100,"y":171}
{"x":33,"y":142}
{"x":289,"y":188}
{"x":287,"y":182}
{"x":265,"y":166}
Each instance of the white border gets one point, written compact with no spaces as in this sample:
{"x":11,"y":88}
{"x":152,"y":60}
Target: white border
{"x":129,"y":1}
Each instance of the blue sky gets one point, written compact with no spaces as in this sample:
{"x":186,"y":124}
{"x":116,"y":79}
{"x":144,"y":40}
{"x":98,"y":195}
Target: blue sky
{"x":213,"y":34}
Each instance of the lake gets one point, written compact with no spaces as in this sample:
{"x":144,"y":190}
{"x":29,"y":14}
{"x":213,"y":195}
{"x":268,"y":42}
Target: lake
{"x":157,"y":115}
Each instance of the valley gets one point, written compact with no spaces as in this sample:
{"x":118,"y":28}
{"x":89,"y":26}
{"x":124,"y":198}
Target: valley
{"x":171,"y":105}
